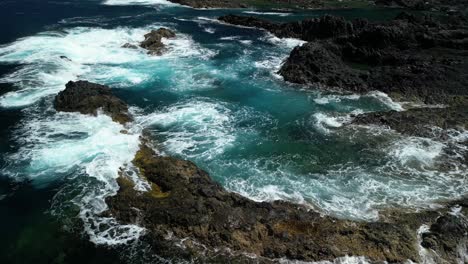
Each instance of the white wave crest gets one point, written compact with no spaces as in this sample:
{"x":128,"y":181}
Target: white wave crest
{"x":325,"y":122}
{"x":285,"y":42}
{"x":420,"y":150}
{"x":90,"y":53}
{"x":384,"y":98}
{"x":267,"y":13}
{"x":380,"y":96}
{"x":139,"y":2}
{"x":74,"y":145}
{"x":194,"y":129}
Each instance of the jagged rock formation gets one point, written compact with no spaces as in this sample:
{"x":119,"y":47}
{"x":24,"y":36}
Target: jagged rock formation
{"x":88,"y":98}
{"x":419,"y":121}
{"x":310,"y":29}
{"x":190,"y":216}
{"x":251,"y":3}
{"x":186,"y":207}
{"x":153,"y":41}
{"x":417,"y":58}
{"x":440,"y":5}
{"x":411,"y":58}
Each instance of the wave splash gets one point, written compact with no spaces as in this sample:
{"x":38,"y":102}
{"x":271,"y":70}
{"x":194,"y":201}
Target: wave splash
{"x":86,"y":150}
{"x":49,"y":60}
{"x":138,"y":2}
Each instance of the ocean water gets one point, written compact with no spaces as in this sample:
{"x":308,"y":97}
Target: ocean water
{"x":214,"y":99}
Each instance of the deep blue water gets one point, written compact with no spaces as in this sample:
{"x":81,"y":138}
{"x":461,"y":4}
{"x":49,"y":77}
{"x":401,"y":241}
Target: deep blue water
{"x":214,"y":98}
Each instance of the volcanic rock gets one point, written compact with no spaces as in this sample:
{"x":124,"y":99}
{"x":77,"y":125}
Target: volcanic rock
{"x":189,"y":215}
{"x":415,"y":57}
{"x":153,"y":41}
{"x":88,"y":98}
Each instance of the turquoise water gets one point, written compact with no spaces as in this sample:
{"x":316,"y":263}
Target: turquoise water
{"x":214,"y":98}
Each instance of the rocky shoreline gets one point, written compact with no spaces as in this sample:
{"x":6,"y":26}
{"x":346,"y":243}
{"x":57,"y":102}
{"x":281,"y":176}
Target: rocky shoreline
{"x":430,"y":5}
{"x":188,"y":215}
{"x":153,"y":41}
{"x":413,"y":58}
{"x":275,"y":4}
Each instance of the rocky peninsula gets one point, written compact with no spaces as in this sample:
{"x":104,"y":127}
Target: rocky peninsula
{"x":187,"y":214}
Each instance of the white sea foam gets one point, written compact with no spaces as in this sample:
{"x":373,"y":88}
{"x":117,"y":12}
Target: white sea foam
{"x":423,"y":151}
{"x":341,"y":260}
{"x":209,"y":19}
{"x":139,"y":2}
{"x":93,"y":53}
{"x":382,"y":97}
{"x":326,"y":122}
{"x":209,"y":30}
{"x":285,"y":42}
{"x":193,"y":129}
{"x":230,"y":38}
{"x":44,"y":72}
{"x":66,"y":144}
{"x":334,"y":98}
{"x":267,"y":13}
{"x":404,"y":174}
{"x":246,"y":42}
{"x":70,"y":144}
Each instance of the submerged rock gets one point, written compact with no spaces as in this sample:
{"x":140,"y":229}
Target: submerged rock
{"x":65,"y":58}
{"x":153,"y":41}
{"x":88,"y":98}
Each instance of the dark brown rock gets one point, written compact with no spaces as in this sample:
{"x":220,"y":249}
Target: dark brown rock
{"x":439,"y":5}
{"x":87,"y":98}
{"x":189,"y":215}
{"x":420,"y":121}
{"x":129,"y":46}
{"x":153,"y":41}
{"x":315,"y":63}
{"x":415,"y":57}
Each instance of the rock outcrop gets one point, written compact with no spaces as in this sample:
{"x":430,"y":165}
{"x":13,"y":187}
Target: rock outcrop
{"x":252,"y":3}
{"x":420,"y":122}
{"x":88,"y":98}
{"x":308,"y":30}
{"x":439,"y":5}
{"x":418,"y":58}
{"x":189,"y":215}
{"x":153,"y":41}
